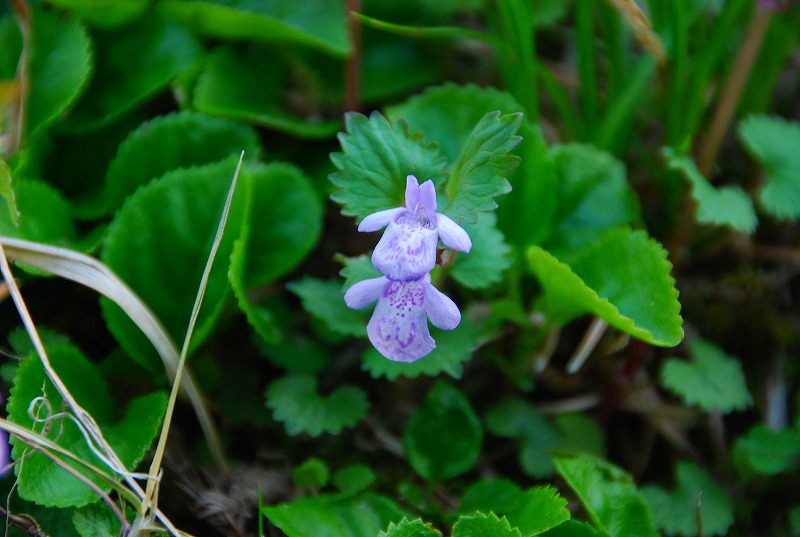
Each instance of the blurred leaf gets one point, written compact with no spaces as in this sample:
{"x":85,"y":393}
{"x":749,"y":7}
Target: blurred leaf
{"x":44,"y":214}
{"x":312,"y":474}
{"x":548,"y":12}
{"x":325,"y":301}
{"x":177,"y":140}
{"x":773,"y":142}
{"x":357,"y":269}
{"x":713,"y":381}
{"x":320,"y":24}
{"x":481,"y":525}
{"x":284,"y":223}
{"x":672,"y":510}
{"x":532,"y":511}
{"x":158,"y":243}
{"x":295,"y":402}
{"x":593,"y":197}
{"x":443,"y":438}
{"x":334,"y":515}
{"x":392,"y":67}
{"x":453,"y":348}
{"x":375,"y":160}
{"x":105,"y":13}
{"x":767,"y":452}
{"x":489,"y":258}
{"x":39,"y":478}
{"x":295,"y":353}
{"x":794,"y":519}
{"x":7,"y":193}
{"x":726,"y":206}
{"x":574,"y":528}
{"x":580,"y":433}
{"x":96,"y":520}
{"x":479,"y":174}
{"x":410,"y":528}
{"x":236,"y":85}
{"x":133,"y":65}
{"x":622,"y":278}
{"x":609,"y":496}
{"x":354,"y":478}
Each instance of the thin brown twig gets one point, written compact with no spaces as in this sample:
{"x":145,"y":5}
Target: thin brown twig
{"x":352,"y":67}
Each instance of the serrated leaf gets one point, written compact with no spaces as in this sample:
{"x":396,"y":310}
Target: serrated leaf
{"x":767,"y":452}
{"x":774,"y":142}
{"x":453,"y":348}
{"x":443,"y":438}
{"x":39,"y":478}
{"x":177,"y":140}
{"x":284,"y":222}
{"x":321,"y":24}
{"x":532,"y":511}
{"x":410,"y":528}
{"x":312,"y":474}
{"x":609,"y":496}
{"x":158,"y":243}
{"x":234,"y":84}
{"x":376,"y":158}
{"x":356,"y":269}
{"x":479,"y":174}
{"x":481,"y":525}
{"x":622,"y":278}
{"x":672,"y":510}
{"x":96,"y":520}
{"x":324,"y":300}
{"x":448,"y":113}
{"x":133,"y":65}
{"x":726,"y":206}
{"x":593,"y":197}
{"x":353,"y":479}
{"x":489,"y":258}
{"x":295,"y":402}
{"x":713,"y":381}
{"x":44,"y":214}
{"x":334,"y":515}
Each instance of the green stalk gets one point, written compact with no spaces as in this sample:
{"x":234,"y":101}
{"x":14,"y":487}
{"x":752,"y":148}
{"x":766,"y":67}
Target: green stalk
{"x":679,"y":26}
{"x":518,"y":63}
{"x":584,"y":19}
{"x":561,"y":101}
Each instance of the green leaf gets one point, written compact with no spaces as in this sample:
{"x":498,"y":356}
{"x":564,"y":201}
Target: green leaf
{"x":580,"y":433}
{"x":321,"y":24}
{"x":489,"y":258}
{"x":725,"y":206}
{"x":593,"y":198}
{"x":443,"y":438}
{"x":713,"y":381}
{"x":377,"y":156}
{"x":574,"y":528}
{"x":236,"y":85}
{"x":453,"y":348}
{"x":767,"y":452}
{"x":479,"y":173}
{"x":295,"y":353}
{"x":284,"y":222}
{"x":44,"y":214}
{"x":773,"y":142}
{"x":481,"y":525}
{"x":105,"y":13}
{"x":96,"y":520}
{"x":410,"y":528}
{"x":609,"y":496}
{"x":334,"y":515}
{"x":794,"y":519}
{"x":177,"y":140}
{"x":7,"y":193}
{"x":60,"y":62}
{"x":325,"y":301}
{"x":40,"y":479}
{"x":295,"y":402}
{"x":158,"y":243}
{"x":354,"y":478}
{"x":622,"y":278}
{"x":312,"y":474}
{"x":673,"y":511}
{"x":532,"y":511}
{"x":133,"y":65}
{"x":356,"y":269}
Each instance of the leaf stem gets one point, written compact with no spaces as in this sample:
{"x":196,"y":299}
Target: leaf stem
{"x":352,"y":66}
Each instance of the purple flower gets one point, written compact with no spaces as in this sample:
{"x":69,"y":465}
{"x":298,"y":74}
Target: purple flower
{"x":407,"y":249}
{"x":398,"y":327}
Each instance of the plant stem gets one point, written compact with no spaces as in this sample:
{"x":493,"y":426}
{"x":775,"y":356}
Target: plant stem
{"x":352,"y":67}
{"x":23,"y":13}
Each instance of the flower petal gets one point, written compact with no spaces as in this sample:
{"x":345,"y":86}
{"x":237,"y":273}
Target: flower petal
{"x":407,"y":249}
{"x":452,"y":235}
{"x":442,"y":311}
{"x":362,"y":294}
{"x":412,"y":193}
{"x":427,"y":196}
{"x":398,"y":327}
{"x":381,"y":219}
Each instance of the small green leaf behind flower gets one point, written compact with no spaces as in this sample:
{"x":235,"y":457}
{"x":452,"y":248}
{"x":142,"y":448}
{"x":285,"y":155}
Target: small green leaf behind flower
{"x":410,"y":528}
{"x":481,"y":525}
